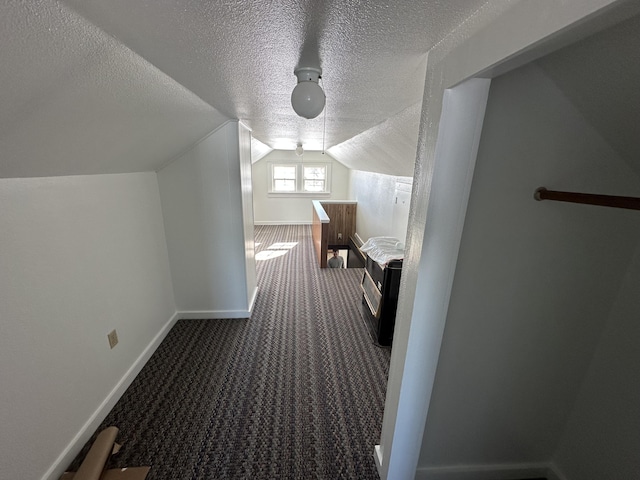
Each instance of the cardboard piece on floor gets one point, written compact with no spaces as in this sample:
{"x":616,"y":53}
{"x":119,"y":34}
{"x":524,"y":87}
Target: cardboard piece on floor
{"x":92,"y":467}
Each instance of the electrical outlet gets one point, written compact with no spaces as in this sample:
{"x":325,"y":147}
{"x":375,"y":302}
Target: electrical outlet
{"x":113,"y":338}
{"x":339,"y":236}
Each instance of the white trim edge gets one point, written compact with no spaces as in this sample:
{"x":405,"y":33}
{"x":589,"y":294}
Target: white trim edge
{"x":377,"y":456}
{"x":213,"y":314}
{"x":488,"y":472}
{"x":252,"y":300}
{"x":554,"y":474}
{"x":69,"y":453}
{"x":282,"y":222}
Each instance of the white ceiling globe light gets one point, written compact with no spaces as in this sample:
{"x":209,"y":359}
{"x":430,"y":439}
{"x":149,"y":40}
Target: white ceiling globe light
{"x":308,"y":98}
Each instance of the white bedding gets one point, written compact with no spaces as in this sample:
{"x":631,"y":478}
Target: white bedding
{"x":383,"y":249}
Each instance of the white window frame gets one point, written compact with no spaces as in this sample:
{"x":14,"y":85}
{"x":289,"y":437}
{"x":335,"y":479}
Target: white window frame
{"x":299,"y":190}
{"x":272,"y":179}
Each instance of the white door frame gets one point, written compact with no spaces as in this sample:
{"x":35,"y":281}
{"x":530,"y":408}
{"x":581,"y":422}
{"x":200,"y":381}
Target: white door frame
{"x":502,"y":35}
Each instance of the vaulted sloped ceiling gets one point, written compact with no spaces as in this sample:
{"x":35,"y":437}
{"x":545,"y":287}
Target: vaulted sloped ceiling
{"x":73,"y":100}
{"x":89,"y":86}
{"x":392,"y":144}
{"x":600,"y":75}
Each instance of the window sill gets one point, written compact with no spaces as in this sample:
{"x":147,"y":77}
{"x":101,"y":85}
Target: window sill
{"x":298,"y":195}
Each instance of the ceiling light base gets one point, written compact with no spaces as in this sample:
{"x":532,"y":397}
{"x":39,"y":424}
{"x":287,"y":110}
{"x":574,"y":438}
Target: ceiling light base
{"x":307,"y":98}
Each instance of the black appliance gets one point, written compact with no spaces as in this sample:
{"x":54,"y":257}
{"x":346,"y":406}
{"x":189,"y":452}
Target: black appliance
{"x":380,"y":288}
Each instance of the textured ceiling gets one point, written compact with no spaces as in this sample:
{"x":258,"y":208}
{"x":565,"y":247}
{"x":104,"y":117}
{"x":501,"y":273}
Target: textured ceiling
{"x":239,"y":56}
{"x":89,"y":86}
{"x":75,"y":101}
{"x":601,"y":77}
{"x":392,"y":143}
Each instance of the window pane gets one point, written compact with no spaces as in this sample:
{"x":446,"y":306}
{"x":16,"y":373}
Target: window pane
{"x":287,"y":178}
{"x":284,"y":185}
{"x":314,"y":173}
{"x":284,"y":171}
{"x":314,"y":185}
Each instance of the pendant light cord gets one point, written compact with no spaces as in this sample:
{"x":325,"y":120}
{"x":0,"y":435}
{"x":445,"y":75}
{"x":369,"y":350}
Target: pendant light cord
{"x":324,"y":121}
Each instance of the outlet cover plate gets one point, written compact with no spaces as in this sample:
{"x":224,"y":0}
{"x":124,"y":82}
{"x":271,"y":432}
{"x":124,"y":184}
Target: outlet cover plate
{"x":113,"y":338}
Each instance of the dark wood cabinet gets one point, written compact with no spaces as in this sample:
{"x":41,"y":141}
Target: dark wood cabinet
{"x":380,"y":289}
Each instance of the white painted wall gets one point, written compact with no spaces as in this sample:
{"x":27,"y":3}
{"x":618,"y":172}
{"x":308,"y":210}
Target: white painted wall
{"x":278,"y":210}
{"x":602,"y":441}
{"x":383,"y":204}
{"x":463,"y":114}
{"x":79,"y":257}
{"x":499,"y":35}
{"x":208,"y":238}
{"x":534,"y":281}
{"x":245,"y":158}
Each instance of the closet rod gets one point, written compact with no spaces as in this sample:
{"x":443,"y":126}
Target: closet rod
{"x":631,"y":203}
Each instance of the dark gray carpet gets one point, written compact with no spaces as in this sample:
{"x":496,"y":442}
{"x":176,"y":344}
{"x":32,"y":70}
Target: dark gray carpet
{"x":296,"y":392}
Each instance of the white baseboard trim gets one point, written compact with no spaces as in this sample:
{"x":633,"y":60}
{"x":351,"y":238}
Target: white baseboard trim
{"x":282,"y":222}
{"x":377,"y":456}
{"x":73,"y":448}
{"x":252,"y":301}
{"x":213,"y":314}
{"x":487,"y":472}
{"x":554,"y":474}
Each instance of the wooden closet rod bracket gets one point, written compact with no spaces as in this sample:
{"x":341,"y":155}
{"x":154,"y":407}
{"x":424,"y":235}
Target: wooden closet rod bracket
{"x":631,"y":203}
